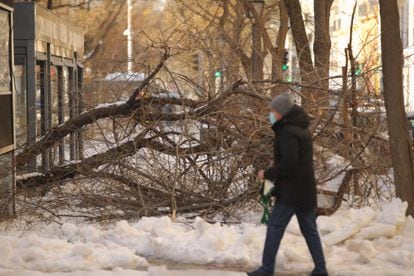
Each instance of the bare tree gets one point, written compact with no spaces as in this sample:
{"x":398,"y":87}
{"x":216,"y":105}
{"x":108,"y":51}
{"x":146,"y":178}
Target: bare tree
{"x":392,"y":63}
{"x":307,"y":71}
{"x":322,"y":43}
{"x":316,"y":74}
{"x":199,"y":156}
{"x":277,"y":52}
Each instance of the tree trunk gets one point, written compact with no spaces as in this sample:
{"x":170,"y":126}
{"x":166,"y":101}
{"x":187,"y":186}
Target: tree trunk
{"x":277,"y":57}
{"x":307,"y":73}
{"x":392,"y":62}
{"x":264,"y":43}
{"x":257,"y":58}
{"x":322,"y":44}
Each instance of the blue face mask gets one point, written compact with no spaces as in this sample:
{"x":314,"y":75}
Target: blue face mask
{"x":272,"y":118}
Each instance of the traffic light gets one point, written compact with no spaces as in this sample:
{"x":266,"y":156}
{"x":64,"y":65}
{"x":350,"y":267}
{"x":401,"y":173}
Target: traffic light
{"x":358,"y":69}
{"x":196,"y":62}
{"x":217,"y":73}
{"x":285,"y":61}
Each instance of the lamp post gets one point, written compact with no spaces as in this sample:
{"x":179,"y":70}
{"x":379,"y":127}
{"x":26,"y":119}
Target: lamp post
{"x":256,"y":67}
{"x":128,"y":33}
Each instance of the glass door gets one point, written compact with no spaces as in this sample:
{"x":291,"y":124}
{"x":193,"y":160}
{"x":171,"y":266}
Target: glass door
{"x":20,"y":100}
{"x":41,"y":108}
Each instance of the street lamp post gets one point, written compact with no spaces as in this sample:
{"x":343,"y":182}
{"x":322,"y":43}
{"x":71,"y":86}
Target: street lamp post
{"x":128,"y":33}
{"x":256,"y":66}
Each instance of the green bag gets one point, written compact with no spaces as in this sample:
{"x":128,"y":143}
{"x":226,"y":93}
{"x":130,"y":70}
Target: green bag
{"x":265,"y":200}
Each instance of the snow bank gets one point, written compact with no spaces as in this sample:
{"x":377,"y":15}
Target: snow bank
{"x":352,"y":223}
{"x":59,"y":255}
{"x":355,"y":241}
{"x":152,"y":271}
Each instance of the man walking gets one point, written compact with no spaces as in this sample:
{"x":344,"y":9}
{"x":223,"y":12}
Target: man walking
{"x":295,"y":187}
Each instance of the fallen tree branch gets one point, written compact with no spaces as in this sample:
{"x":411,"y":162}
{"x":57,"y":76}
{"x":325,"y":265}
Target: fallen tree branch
{"x":85,"y":118}
{"x":86,"y":166}
{"x":54,"y":135}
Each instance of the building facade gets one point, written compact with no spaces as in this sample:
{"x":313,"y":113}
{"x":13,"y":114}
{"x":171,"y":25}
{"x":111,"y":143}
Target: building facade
{"x":48,"y":53}
{"x":407,"y":37}
{"x":366,"y":47}
{"x":366,"y":44}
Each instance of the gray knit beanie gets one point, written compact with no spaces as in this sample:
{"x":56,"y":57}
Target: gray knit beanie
{"x":282,"y":103}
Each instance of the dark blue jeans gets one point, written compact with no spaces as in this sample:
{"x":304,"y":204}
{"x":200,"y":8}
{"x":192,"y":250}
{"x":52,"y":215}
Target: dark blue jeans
{"x":279,"y":219}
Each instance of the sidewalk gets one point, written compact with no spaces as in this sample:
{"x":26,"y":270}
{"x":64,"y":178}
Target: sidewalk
{"x":152,"y":271}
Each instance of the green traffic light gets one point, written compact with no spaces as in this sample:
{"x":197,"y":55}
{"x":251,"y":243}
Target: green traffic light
{"x":358,"y":71}
{"x":217,"y":74}
{"x":285,"y":67}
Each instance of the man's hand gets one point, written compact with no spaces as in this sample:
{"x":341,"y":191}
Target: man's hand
{"x":260,"y":175}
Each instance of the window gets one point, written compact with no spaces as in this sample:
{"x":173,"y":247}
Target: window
{"x":72,"y":112}
{"x":41,"y":106}
{"x":54,"y":93}
{"x":337,"y":24}
{"x":412,"y":26}
{"x":40,"y":100}
{"x":79,"y":88}
{"x":6,"y":96}
{"x":373,"y":4}
{"x":5,"y":76}
{"x":71,"y":92}
{"x":79,"y":110}
{"x":362,"y":10}
{"x":65,"y":109}
{"x":20,"y":100}
{"x":65,"y":75}
{"x":6,"y":116}
{"x":6,"y":184}
{"x":54,"y":108}
{"x":6,"y":121}
{"x":404,"y":24}
{"x":75,"y":80}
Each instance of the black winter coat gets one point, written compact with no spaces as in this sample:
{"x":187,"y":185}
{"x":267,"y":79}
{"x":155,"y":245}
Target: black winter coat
{"x":292,"y":171}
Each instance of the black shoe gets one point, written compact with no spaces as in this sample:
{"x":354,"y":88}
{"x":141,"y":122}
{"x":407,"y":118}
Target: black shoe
{"x":259,"y":272}
{"x":314,"y":273}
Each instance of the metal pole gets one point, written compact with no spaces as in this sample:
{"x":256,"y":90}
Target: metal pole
{"x":129,"y":37}
{"x":47,"y":111}
{"x":31,"y":99}
{"x":255,"y":53}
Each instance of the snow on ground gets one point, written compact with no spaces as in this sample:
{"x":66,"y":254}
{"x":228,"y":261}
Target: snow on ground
{"x":152,"y":271}
{"x":356,"y":242}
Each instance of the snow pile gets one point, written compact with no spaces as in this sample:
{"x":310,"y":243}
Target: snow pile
{"x":355,"y":241}
{"x":152,"y":271}
{"x":197,"y":243}
{"x":32,"y":252}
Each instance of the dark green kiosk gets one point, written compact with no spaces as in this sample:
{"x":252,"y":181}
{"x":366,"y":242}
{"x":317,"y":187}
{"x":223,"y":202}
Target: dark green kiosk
{"x":48,"y":55}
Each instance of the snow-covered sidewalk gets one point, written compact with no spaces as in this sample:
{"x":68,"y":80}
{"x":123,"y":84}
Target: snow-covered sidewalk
{"x":356,"y":241}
